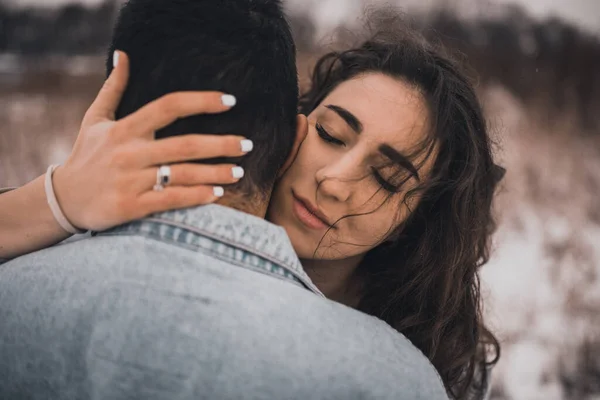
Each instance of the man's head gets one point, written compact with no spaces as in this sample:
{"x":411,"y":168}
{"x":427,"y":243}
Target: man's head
{"x":240,"y":47}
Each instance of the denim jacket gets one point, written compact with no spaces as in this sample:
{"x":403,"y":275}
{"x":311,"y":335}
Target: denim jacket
{"x":226,"y":234}
{"x":204,"y":303}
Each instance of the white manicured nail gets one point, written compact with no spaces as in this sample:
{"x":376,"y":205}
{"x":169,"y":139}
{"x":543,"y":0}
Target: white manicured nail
{"x":247,"y":145}
{"x":115,"y":59}
{"x":228,"y":100}
{"x":238,"y":172}
{"x":218,"y":191}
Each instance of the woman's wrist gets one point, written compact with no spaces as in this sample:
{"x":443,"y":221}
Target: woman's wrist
{"x":26,"y":221}
{"x":55,"y":204}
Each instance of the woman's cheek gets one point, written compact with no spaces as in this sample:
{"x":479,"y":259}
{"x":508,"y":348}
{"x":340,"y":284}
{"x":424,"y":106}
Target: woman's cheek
{"x":379,"y":225}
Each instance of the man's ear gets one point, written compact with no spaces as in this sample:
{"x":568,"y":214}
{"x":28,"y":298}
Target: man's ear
{"x":301,"y":132}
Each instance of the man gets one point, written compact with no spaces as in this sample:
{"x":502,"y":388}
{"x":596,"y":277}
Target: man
{"x":209,"y":302}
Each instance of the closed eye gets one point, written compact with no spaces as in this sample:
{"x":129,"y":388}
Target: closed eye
{"x":327,"y":137}
{"x":384,"y":184}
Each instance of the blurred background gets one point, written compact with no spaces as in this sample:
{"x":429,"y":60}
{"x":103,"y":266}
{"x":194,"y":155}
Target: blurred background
{"x":537,"y":64}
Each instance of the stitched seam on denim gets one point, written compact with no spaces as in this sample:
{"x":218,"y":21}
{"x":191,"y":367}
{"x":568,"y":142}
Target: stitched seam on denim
{"x":212,"y":235}
{"x":241,"y":246}
{"x":210,"y":253}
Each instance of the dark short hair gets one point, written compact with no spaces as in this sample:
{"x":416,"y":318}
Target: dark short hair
{"x":240,"y":47}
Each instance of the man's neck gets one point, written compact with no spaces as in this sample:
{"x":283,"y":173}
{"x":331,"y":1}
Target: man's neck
{"x":256,"y":206}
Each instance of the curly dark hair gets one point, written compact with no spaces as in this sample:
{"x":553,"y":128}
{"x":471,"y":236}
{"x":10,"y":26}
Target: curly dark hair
{"x":425,"y":283}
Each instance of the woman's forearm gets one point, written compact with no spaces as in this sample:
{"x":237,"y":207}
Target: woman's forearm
{"x":26,"y":221}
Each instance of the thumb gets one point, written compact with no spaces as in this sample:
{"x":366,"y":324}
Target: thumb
{"x":106,"y":103}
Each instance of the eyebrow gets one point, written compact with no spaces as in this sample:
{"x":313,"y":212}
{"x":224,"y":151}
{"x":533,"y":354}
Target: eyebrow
{"x":398,"y":158}
{"x":347,"y":116}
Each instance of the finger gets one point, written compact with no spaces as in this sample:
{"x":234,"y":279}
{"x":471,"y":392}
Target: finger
{"x":196,"y":174}
{"x":175,"y":197}
{"x":192,"y":147}
{"x":167,"y":109}
{"x":106,"y":103}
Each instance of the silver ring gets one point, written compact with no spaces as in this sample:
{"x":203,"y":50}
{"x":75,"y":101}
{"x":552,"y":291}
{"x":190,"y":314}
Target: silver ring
{"x":163,"y":178}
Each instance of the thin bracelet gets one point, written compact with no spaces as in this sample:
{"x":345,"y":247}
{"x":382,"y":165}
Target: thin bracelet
{"x":53,"y":203}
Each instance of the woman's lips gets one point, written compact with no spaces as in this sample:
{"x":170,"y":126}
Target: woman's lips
{"x":306,"y":217}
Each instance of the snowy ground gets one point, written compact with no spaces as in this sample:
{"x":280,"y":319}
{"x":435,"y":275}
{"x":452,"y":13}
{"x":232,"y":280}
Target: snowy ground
{"x":544,"y":291}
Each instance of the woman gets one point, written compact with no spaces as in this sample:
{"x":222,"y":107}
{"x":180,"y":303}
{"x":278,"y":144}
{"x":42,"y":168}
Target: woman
{"x":388,"y":203}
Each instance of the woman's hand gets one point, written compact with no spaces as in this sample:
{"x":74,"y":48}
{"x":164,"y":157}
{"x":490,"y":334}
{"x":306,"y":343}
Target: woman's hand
{"x":108,"y":179}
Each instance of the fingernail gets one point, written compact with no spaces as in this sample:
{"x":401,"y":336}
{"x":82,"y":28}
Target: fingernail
{"x":115,"y":59}
{"x":247,"y":145}
{"x":228,"y":100}
{"x":218,"y":191}
{"x":238,"y":172}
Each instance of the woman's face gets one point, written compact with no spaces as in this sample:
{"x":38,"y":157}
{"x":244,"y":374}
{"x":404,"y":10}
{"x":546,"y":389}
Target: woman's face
{"x":340,"y":170}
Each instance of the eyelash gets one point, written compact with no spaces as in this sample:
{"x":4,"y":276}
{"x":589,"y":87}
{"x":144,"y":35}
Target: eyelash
{"x":384,"y":184}
{"x":327,"y":137}
{"x":323,"y":134}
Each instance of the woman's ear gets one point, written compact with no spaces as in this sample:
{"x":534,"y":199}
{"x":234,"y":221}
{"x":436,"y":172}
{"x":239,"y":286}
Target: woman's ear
{"x":301,"y":132}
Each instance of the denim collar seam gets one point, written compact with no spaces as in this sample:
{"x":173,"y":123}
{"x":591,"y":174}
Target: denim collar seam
{"x":241,"y":246}
{"x":126,"y":230}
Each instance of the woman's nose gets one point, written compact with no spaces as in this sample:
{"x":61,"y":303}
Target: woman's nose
{"x":333,"y":189}
{"x":337,"y":181}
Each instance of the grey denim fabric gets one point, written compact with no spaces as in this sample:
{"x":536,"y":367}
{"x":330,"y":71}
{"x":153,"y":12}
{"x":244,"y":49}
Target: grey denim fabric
{"x":205,"y":303}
